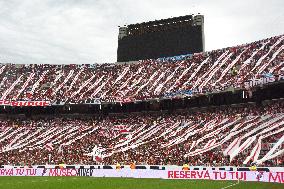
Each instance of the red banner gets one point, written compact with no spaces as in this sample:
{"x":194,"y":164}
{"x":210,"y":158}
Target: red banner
{"x":24,"y":103}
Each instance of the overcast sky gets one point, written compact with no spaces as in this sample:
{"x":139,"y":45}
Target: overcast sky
{"x":85,"y":31}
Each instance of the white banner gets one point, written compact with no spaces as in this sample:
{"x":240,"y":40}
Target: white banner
{"x":258,"y":176}
{"x":264,"y":80}
{"x":21,"y":172}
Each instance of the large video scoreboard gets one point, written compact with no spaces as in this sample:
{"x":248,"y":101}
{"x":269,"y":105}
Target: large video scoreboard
{"x":161,"y":38}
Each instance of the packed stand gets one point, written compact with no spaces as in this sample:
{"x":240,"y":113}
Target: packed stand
{"x":213,"y":136}
{"x":200,"y":73}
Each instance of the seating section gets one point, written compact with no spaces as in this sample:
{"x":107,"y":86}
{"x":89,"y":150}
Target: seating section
{"x":201,"y":73}
{"x":210,"y":136}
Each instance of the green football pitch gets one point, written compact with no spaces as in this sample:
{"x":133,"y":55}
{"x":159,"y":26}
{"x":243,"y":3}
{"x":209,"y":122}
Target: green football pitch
{"x":124,"y":183}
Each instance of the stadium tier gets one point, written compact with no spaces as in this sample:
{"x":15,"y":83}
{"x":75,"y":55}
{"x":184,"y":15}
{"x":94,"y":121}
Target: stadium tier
{"x":216,"y":136}
{"x":200,"y":73}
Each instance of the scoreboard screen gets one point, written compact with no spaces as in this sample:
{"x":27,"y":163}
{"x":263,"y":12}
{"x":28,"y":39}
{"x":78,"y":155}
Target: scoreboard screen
{"x":162,"y":38}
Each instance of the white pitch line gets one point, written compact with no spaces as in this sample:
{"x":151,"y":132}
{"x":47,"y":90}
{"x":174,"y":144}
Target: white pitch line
{"x":231,"y":185}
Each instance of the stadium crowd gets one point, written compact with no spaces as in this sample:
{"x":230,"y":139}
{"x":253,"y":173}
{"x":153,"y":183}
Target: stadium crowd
{"x":201,"y":73}
{"x":229,"y":135}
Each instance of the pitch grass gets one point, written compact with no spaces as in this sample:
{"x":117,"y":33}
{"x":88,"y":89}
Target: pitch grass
{"x":124,"y":183}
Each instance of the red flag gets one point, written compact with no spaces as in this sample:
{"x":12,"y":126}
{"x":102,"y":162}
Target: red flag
{"x":48,"y":146}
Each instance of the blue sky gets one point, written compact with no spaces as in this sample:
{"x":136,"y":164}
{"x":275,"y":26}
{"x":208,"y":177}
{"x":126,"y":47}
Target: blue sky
{"x":85,"y":31}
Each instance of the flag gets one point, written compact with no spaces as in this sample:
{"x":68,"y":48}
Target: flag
{"x":48,"y":146}
{"x":97,"y":153}
{"x":60,"y":149}
{"x":98,"y":159}
{"x":122,"y":129}
{"x":29,"y":94}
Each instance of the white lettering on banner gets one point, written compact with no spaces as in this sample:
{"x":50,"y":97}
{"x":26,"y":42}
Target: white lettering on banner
{"x":24,"y":103}
{"x":257,"y":176}
{"x":264,"y":80}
